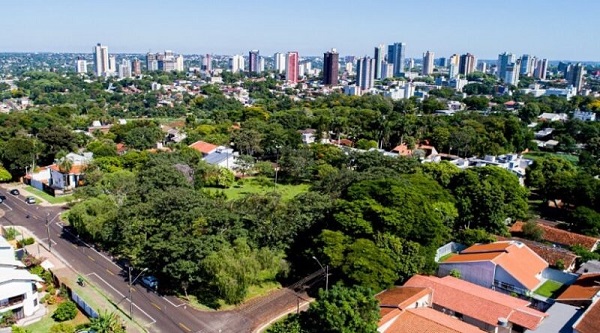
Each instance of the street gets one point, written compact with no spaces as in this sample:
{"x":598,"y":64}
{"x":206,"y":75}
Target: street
{"x":155,"y":312}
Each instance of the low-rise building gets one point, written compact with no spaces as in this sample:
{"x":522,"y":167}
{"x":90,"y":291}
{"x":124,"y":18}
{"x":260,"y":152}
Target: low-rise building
{"x":584,"y":115}
{"x":18,"y":289}
{"x":559,"y":237}
{"x":506,"y":266}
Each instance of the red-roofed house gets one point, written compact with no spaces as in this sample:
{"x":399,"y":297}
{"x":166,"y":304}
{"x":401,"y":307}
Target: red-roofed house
{"x":559,"y":237}
{"x":589,"y":321}
{"x":555,"y":256}
{"x":484,"y":308}
{"x":403,"y":150}
{"x":582,"y":292}
{"x":204,"y":147}
{"x":408,"y":310}
{"x":508,"y":266}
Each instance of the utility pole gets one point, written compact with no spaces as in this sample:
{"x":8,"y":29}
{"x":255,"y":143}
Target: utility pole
{"x":130,"y":287}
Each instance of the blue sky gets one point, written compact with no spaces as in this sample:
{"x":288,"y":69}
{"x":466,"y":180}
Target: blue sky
{"x":556,"y":29}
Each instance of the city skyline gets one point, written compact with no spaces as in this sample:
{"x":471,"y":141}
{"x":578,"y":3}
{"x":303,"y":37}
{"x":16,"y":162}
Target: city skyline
{"x":486,"y":29}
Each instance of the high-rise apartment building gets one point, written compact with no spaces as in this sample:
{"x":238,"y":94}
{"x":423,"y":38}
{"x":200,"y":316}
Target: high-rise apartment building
{"x":291,"y":67}
{"x":331,"y":64}
{"x":427,"y":63}
{"x":511,"y":73}
{"x":112,"y":64}
{"x":466,"y":64}
{"x":101,"y":65}
{"x":236,"y":63}
{"x":379,"y":57}
{"x":396,"y":53}
{"x":207,"y":62}
{"x":575,"y":76}
{"x":365,"y":73}
{"x":279,"y":59}
{"x":527,"y":65}
{"x":136,"y":67}
{"x":151,"y":62}
{"x":504,"y":60}
{"x":253,"y":59}
{"x":540,"y":69}
{"x":81,"y":65}
{"x":124,"y":69}
{"x":387,"y":70}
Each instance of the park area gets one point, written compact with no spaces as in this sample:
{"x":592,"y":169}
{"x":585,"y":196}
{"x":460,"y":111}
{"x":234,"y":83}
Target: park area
{"x":261,"y":185}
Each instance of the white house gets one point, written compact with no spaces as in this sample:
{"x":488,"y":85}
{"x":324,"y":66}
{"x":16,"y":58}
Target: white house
{"x":60,"y":180}
{"x":308,"y":135}
{"x":584,"y":116}
{"x":546,"y":116}
{"x":18,"y":290}
{"x":222,"y":157}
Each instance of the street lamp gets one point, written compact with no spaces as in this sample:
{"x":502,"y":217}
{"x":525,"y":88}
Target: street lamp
{"x":130,"y":283}
{"x":326,"y":269}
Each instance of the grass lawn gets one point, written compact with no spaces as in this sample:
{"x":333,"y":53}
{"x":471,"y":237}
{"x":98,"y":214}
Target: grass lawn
{"x":534,"y":155}
{"x":47,"y":197}
{"x":250,"y":185}
{"x":549,"y":289}
{"x":44,"y":325}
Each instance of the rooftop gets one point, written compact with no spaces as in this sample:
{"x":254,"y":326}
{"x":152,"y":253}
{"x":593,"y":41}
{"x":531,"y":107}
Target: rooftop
{"x":400,"y":297}
{"x":427,"y":320}
{"x":589,"y":321}
{"x":591,"y":266}
{"x":558,"y":236}
{"x":478,"y":302}
{"x":584,"y":288}
{"x":549,"y":253}
{"x":203,"y":147}
{"x":561,"y":318}
{"x":514,"y":257}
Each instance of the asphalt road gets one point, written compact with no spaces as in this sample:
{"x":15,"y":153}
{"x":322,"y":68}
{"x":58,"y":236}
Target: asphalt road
{"x":156,"y":313}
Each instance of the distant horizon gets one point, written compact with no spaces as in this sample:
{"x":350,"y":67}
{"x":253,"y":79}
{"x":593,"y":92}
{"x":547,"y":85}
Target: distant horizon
{"x":267,"y":55}
{"x":541,"y":28}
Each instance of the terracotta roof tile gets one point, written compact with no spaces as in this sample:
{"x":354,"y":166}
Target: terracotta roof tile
{"x":203,"y":147}
{"x":427,"y":320}
{"x":478,"y":302}
{"x":517,"y":259}
{"x":549,"y":253}
{"x":559,"y":236}
{"x":590,"y":320}
{"x":400,"y":297}
{"x":585,"y":288}
{"x":75,"y":169}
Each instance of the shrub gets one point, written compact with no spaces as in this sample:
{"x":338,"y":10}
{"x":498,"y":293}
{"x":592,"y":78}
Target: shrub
{"x":18,"y":329}
{"x":65,"y":311}
{"x":62,"y":328}
{"x":10,"y":233}
{"x":455,"y":273}
{"x":30,"y":260}
{"x":25,"y":242}
{"x":51,"y":290}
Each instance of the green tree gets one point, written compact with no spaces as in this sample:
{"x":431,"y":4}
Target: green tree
{"x":586,"y":221}
{"x":106,"y":323}
{"x":470,"y":237}
{"x":62,"y":328}
{"x":4,"y":175}
{"x":244,"y":163}
{"x":65,"y":311}
{"x":342,"y":310}
{"x":532,"y":231}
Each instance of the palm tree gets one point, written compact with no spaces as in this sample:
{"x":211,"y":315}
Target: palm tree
{"x":106,"y":323}
{"x":64,"y":167}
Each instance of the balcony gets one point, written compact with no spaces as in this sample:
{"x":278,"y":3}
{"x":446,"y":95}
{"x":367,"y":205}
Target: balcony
{"x":8,"y":302}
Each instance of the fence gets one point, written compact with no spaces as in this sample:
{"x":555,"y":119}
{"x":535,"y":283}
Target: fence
{"x":451,"y":247}
{"x":559,"y":276}
{"x":83,"y":305}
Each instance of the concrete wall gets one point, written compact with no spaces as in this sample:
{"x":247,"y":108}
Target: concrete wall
{"x":480,"y":273}
{"x":448,"y":248}
{"x":559,"y":276}
{"x":503,"y":276}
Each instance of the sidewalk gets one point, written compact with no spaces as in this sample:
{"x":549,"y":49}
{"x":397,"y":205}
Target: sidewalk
{"x":66,"y":275}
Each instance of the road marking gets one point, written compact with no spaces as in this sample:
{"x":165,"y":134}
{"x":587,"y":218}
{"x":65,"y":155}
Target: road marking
{"x":154,"y":304}
{"x":118,"y":292}
{"x":166,"y":299}
{"x":185,"y":327}
{"x":73,"y":245}
{"x":7,"y":206}
{"x":92,"y":259}
{"x":109,"y":272}
{"x":90,"y":247}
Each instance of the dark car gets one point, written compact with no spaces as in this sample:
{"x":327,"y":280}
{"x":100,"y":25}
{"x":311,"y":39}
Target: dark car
{"x":14,"y":191}
{"x":30,"y":200}
{"x":150,"y":282}
{"x":2,"y":198}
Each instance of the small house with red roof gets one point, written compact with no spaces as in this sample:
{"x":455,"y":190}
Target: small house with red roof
{"x":506,"y":266}
{"x":204,"y":147}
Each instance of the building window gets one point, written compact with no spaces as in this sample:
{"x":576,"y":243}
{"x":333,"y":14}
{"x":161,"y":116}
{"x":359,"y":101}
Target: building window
{"x":35,"y":302}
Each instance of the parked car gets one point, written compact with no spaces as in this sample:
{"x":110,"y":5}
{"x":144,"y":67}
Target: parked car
{"x":30,"y":200}
{"x":14,"y":191}
{"x":2,"y":198}
{"x":150,"y":281}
